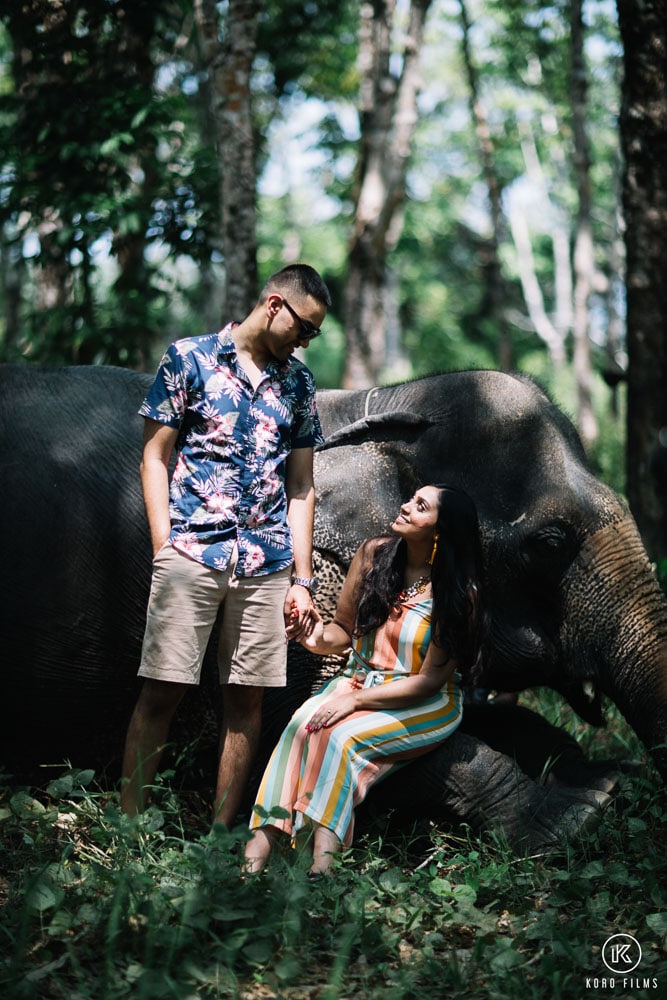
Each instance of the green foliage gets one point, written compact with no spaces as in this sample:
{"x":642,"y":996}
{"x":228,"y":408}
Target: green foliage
{"x":98,"y":168}
{"x":607,"y":455}
{"x":95,"y":905}
{"x":311,"y":46}
{"x":279,"y":220}
{"x":109,"y":177}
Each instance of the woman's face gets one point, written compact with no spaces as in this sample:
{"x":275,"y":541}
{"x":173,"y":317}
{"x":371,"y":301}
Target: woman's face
{"x":417,"y":517}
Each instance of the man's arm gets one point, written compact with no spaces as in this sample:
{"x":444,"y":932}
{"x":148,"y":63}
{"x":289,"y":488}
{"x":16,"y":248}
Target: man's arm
{"x":300,"y":489}
{"x":159,"y":441}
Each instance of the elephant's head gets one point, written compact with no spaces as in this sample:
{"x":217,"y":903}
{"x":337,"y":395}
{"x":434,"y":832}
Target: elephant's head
{"x":574,"y":602}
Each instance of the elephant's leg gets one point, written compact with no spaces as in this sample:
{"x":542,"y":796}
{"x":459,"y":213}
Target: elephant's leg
{"x":544,"y":752}
{"x":466,"y":781}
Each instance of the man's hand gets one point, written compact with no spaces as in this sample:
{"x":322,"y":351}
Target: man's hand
{"x":300,"y":613}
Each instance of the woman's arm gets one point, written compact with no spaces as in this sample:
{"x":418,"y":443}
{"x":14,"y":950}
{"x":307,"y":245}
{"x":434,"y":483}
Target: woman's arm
{"x":336,"y":637}
{"x":435,"y":671}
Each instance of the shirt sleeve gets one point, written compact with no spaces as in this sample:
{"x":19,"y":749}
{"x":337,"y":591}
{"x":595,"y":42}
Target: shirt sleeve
{"x":166,"y":400}
{"x":307,"y":430}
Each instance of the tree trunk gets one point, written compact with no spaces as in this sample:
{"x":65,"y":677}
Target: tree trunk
{"x":643,"y":25}
{"x":614,"y":370}
{"x":532,"y":293}
{"x":12,"y":267}
{"x":495,"y":297}
{"x":134,"y":284}
{"x":388,"y":116}
{"x":584,"y":264}
{"x":553,"y":333}
{"x":230,"y":67}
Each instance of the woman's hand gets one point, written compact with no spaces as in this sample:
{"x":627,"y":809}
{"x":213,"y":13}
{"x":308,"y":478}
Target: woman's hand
{"x":332,"y":711}
{"x":312,"y":637}
{"x":313,"y":634}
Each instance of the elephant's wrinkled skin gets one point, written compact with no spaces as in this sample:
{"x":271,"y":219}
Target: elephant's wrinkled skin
{"x":575,"y":605}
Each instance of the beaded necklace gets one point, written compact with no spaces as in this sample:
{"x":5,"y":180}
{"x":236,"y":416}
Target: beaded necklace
{"x":418,"y":587}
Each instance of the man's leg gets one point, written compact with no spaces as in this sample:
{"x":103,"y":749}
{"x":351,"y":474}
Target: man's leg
{"x":239,"y":740}
{"x":146,"y":737}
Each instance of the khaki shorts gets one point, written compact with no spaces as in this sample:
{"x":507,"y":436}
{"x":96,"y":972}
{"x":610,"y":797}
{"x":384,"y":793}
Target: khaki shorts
{"x":186,"y":600}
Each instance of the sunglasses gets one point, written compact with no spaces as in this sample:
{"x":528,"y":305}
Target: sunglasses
{"x":308,"y":331}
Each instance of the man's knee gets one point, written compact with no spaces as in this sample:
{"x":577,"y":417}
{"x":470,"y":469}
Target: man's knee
{"x":241,"y":702}
{"x":160,"y":698}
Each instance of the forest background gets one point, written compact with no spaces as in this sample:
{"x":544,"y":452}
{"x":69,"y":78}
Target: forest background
{"x":481,"y":183}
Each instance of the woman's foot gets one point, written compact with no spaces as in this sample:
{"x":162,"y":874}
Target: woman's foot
{"x":326,"y":845}
{"x":258,"y":849}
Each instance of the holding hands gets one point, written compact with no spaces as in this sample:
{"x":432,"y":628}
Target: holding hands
{"x":307,"y":627}
{"x":301,"y":616}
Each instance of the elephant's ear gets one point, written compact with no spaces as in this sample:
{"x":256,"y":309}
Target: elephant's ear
{"x":362,"y":475}
{"x":375,"y":426}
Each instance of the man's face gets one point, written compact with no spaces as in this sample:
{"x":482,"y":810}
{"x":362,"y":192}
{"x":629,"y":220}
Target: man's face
{"x":295,"y":322}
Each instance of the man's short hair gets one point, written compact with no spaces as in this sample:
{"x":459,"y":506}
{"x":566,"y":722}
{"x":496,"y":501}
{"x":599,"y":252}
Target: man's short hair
{"x":298,"y":281}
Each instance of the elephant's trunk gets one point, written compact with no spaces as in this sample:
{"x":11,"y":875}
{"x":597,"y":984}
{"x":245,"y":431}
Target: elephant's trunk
{"x":616,"y":632}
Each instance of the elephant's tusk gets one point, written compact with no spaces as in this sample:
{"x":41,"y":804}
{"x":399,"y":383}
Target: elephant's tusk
{"x":589,"y":690}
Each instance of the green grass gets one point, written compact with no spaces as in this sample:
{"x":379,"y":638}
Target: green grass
{"x":93,"y":905}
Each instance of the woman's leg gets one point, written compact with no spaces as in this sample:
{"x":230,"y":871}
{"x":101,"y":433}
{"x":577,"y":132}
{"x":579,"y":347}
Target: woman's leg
{"x":345,"y":760}
{"x":280,"y":785}
{"x":325,"y":846}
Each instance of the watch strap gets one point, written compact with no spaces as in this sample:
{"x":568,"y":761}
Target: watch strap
{"x":309,"y":582}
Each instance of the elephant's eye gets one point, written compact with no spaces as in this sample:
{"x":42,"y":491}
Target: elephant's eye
{"x":550,"y":549}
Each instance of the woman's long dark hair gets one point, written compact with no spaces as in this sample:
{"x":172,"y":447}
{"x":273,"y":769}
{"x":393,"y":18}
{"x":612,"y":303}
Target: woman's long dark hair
{"x":456,"y":578}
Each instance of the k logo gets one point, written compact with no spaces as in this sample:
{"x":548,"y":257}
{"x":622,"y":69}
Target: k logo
{"x":621,"y":953}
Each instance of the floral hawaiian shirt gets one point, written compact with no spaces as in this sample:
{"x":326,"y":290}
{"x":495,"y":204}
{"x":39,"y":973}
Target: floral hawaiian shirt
{"x":228,"y":484}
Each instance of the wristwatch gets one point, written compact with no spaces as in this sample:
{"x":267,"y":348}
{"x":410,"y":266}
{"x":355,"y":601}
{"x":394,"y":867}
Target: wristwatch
{"x":309,"y":582}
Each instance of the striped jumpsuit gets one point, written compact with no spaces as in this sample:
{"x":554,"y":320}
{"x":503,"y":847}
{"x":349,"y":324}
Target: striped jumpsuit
{"x":322,"y":776}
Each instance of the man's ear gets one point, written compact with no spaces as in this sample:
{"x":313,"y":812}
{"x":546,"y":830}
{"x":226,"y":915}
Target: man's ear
{"x":274,"y":304}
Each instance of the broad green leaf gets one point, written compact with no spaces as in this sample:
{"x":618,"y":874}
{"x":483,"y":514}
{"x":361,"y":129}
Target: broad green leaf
{"x":24,"y":806}
{"x":507,"y":958}
{"x":657,"y":922}
{"x":60,"y":787}
{"x":440,"y":886}
{"x":464,"y":892}
{"x":43,"y":896}
{"x":391,"y":878}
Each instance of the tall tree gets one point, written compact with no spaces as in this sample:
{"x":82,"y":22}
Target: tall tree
{"x":583,"y":259}
{"x":230,"y":65}
{"x":387,"y":116}
{"x":643,"y":26}
{"x":495,"y":301}
{"x":552,"y":331}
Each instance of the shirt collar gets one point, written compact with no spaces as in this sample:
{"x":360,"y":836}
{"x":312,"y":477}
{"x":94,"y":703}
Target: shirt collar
{"x":227,"y":350}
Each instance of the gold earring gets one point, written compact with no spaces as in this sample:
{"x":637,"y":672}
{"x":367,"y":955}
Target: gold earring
{"x":429,"y":561}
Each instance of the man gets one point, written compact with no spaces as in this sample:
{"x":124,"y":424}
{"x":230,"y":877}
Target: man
{"x":237,"y":517}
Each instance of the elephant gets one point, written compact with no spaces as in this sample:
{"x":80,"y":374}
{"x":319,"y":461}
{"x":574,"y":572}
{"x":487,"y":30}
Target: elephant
{"x":573,"y":601}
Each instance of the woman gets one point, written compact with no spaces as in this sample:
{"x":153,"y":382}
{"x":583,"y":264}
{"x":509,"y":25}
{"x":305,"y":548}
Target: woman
{"x":410,"y":609}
